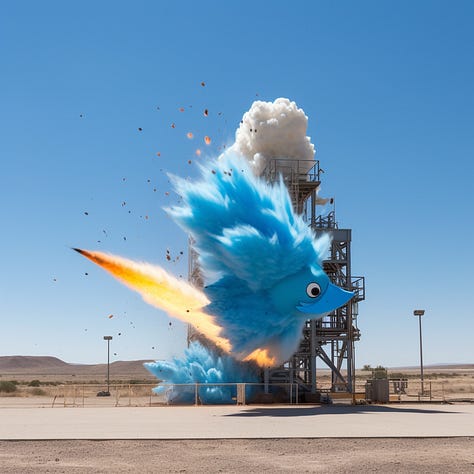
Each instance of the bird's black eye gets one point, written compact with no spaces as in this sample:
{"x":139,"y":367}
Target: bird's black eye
{"x":313,"y":290}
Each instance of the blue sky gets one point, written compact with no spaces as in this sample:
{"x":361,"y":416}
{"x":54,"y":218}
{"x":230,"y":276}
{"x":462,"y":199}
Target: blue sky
{"x":387,"y":87}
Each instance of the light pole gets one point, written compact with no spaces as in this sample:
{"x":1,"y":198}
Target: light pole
{"x":108,"y":339}
{"x":420,"y":313}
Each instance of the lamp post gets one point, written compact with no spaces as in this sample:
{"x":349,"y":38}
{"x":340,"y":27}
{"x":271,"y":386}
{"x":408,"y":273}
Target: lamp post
{"x":420,"y":313}
{"x":108,"y":339}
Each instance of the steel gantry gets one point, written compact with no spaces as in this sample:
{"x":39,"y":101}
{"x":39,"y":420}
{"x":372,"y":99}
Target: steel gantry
{"x":331,"y":338}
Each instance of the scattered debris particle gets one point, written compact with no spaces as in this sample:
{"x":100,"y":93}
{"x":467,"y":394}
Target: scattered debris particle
{"x":206,"y":113}
{"x":190,"y":135}
{"x":207,"y":140}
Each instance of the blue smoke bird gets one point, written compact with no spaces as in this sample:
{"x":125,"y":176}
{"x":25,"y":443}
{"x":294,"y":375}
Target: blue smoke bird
{"x":261,"y":260}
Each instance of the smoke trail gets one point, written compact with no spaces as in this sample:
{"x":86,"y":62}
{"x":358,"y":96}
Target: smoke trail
{"x":203,"y":366}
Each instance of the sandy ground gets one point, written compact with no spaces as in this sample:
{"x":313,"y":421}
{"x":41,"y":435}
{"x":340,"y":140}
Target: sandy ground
{"x":414,"y":455}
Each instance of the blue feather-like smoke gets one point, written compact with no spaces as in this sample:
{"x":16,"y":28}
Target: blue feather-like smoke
{"x":202,"y":366}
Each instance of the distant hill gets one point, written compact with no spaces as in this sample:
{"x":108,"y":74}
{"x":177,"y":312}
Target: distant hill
{"x":52,"y":366}
{"x":441,"y":367}
{"x":20,"y":363}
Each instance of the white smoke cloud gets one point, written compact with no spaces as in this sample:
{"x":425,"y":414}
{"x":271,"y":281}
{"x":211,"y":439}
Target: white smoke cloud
{"x":272,"y":130}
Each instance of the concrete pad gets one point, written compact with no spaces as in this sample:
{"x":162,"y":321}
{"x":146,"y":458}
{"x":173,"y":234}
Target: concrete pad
{"x":221,"y":422}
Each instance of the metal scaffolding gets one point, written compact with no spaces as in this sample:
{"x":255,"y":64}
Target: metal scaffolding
{"x":331,"y":338}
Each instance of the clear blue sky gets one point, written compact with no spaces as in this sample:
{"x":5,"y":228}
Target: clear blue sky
{"x":387,"y":87}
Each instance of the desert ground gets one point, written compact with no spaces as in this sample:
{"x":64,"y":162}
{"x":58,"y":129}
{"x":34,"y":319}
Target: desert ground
{"x":439,"y":455}
{"x":61,"y":382}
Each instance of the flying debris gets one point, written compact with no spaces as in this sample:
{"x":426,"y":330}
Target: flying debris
{"x":140,"y":129}
{"x":86,"y":213}
{"x":111,"y":316}
{"x":190,"y":135}
{"x":181,"y":109}
{"x":206,"y":113}
{"x":158,"y":154}
{"x":198,"y":152}
{"x":203,"y":84}
{"x":207,"y":140}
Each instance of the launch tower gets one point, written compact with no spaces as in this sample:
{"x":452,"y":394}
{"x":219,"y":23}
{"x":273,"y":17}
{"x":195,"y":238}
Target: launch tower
{"x":331,"y":338}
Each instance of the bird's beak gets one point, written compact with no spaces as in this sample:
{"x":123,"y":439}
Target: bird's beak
{"x":333,"y":298}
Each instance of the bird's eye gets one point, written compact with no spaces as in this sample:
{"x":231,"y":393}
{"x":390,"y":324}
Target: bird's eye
{"x":313,"y":290}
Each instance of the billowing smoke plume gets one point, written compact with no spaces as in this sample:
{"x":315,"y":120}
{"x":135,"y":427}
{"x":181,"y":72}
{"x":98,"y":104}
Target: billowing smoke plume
{"x":272,"y":130}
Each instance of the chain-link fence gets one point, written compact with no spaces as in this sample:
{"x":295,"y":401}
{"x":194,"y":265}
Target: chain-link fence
{"x":151,"y":394}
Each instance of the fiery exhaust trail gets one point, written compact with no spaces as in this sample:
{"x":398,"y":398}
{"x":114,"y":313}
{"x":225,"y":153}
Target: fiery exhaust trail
{"x":162,"y":290}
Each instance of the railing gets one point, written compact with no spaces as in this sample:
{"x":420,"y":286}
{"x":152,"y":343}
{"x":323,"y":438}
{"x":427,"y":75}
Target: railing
{"x":358,"y":286}
{"x":325,"y":222}
{"x":405,"y":389}
{"x":302,"y":170}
